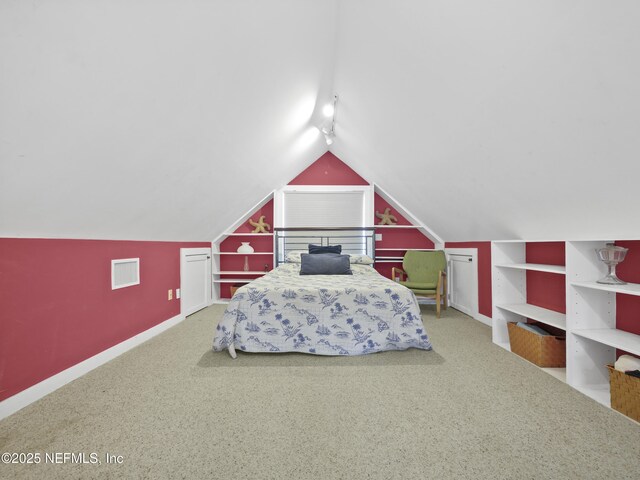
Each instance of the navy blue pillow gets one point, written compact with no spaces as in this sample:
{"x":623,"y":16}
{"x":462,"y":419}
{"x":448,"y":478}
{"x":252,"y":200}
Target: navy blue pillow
{"x":324,"y":264}
{"x":315,"y":249}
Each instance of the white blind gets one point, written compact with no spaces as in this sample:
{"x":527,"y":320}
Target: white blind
{"x":324,"y":209}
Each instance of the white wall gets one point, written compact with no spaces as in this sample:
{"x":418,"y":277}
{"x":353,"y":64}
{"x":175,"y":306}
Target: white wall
{"x":155,"y":119}
{"x":496,"y":119}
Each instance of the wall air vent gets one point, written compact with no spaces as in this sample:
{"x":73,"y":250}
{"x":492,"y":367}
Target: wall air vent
{"x":125,"y":273}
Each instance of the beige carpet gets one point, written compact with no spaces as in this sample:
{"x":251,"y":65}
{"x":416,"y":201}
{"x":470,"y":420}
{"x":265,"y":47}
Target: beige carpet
{"x":468,"y":409}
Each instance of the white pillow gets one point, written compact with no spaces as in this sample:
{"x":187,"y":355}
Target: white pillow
{"x":626,"y":363}
{"x":294,"y":256}
{"x":360,"y":259}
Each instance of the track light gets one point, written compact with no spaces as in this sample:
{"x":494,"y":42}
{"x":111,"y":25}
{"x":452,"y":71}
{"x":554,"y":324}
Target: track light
{"x":329,"y":111}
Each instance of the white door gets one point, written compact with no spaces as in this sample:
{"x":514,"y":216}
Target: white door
{"x":195,"y":279}
{"x":463,"y":280}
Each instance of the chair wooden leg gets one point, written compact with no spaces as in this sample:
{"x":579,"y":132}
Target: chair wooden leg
{"x":445,"y":295}
{"x":437,"y":304}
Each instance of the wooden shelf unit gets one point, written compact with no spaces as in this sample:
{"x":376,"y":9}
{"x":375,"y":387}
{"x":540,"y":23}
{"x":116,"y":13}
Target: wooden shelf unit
{"x":590,"y":321}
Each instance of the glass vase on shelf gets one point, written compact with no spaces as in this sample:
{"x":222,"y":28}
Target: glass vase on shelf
{"x":611,"y":255}
{"x":246,"y":263}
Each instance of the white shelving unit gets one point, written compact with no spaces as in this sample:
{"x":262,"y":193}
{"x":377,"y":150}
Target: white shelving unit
{"x":628,"y":289}
{"x":221,"y":276}
{"x":509,"y":285}
{"x":548,"y":317}
{"x":235,"y":280}
{"x":590,"y":321}
{"x":535,"y":267}
{"x":236,"y":253}
{"x":629,"y":342}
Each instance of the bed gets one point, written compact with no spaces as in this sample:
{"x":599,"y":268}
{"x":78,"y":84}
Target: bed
{"x":355,"y":314}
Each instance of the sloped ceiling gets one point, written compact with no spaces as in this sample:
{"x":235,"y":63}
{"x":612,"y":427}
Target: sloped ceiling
{"x":155,"y":119}
{"x":167,"y":120}
{"x":496,"y":119}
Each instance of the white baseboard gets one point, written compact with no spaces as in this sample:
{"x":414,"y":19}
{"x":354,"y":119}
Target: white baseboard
{"x":484,"y":319}
{"x":20,"y":400}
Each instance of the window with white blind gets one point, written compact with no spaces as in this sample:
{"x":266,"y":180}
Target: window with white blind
{"x":324,"y":208}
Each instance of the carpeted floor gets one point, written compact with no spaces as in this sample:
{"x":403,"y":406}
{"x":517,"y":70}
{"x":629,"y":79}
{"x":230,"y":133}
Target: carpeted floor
{"x":173,"y":409}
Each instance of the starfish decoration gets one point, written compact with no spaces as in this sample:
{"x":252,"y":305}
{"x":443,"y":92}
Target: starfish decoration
{"x":261,"y":225}
{"x":386,"y":218}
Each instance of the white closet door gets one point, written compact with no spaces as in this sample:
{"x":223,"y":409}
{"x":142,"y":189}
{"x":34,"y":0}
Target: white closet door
{"x":195,"y":279}
{"x":463,"y":280}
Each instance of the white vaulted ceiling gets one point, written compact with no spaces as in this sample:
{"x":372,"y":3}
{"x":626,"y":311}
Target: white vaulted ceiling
{"x":155,"y":119}
{"x":167,"y":119}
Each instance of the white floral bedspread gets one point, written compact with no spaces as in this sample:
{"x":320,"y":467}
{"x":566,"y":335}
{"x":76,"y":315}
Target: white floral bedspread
{"x":322,"y":314}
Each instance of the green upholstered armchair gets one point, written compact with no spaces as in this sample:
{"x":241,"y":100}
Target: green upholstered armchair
{"x":424,"y":273}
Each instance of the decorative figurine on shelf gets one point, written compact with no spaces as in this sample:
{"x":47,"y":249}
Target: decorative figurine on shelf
{"x":611,"y":255}
{"x":386,"y":218}
{"x":261,"y":225}
{"x":266,"y":267}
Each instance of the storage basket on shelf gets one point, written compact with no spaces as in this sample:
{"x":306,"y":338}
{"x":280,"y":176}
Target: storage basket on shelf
{"x":233,"y":288}
{"x":625,"y":393}
{"x":543,"y":350}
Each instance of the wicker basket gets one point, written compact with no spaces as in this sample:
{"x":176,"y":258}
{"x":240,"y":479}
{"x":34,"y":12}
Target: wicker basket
{"x":543,"y":350}
{"x":625,"y":393}
{"x":233,"y":288}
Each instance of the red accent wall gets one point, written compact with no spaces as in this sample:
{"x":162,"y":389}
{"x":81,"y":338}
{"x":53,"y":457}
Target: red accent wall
{"x":484,"y":273}
{"x":392,"y":238}
{"x":57,"y":307}
{"x":266,"y":210}
{"x":379,"y":206}
{"x":328,"y":170}
{"x":628,"y":306}
{"x":546,"y":290}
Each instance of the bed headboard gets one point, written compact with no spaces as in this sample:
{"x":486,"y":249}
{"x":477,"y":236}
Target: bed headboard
{"x":354,"y":240}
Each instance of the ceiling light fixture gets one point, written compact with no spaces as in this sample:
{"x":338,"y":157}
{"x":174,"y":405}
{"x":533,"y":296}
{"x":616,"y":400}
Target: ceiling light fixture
{"x":329,"y":127}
